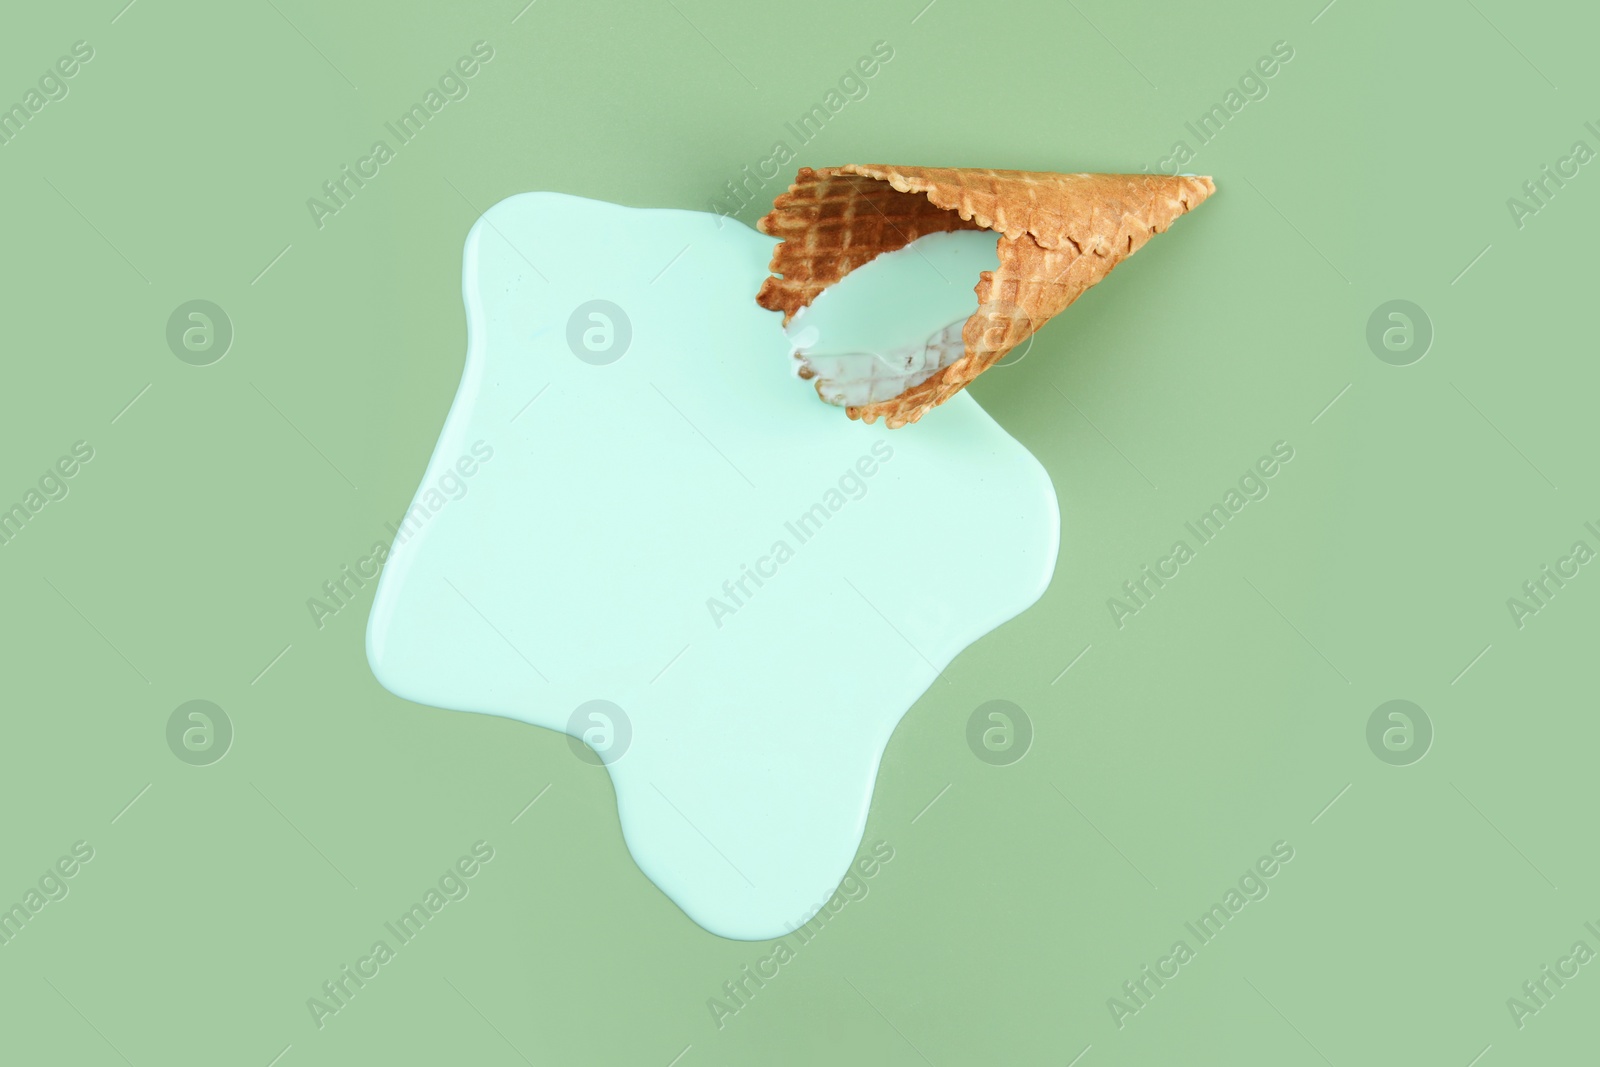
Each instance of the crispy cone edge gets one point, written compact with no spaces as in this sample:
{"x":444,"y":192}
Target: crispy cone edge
{"x":1060,"y":234}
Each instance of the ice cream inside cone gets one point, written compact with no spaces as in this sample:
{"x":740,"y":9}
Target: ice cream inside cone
{"x":1055,"y":235}
{"x":893,"y":323}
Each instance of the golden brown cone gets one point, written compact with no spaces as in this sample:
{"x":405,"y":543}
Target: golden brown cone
{"x":1060,"y":234}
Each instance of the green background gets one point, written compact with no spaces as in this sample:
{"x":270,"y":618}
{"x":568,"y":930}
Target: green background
{"x":1227,"y":715}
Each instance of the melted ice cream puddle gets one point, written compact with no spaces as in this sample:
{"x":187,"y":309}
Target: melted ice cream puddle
{"x":672,"y":525}
{"x":894,"y":321}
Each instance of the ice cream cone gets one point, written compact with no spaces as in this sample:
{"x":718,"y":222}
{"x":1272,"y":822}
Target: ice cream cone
{"x":1059,"y":235}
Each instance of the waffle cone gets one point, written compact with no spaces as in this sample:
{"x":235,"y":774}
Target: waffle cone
{"x":1060,"y":234}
